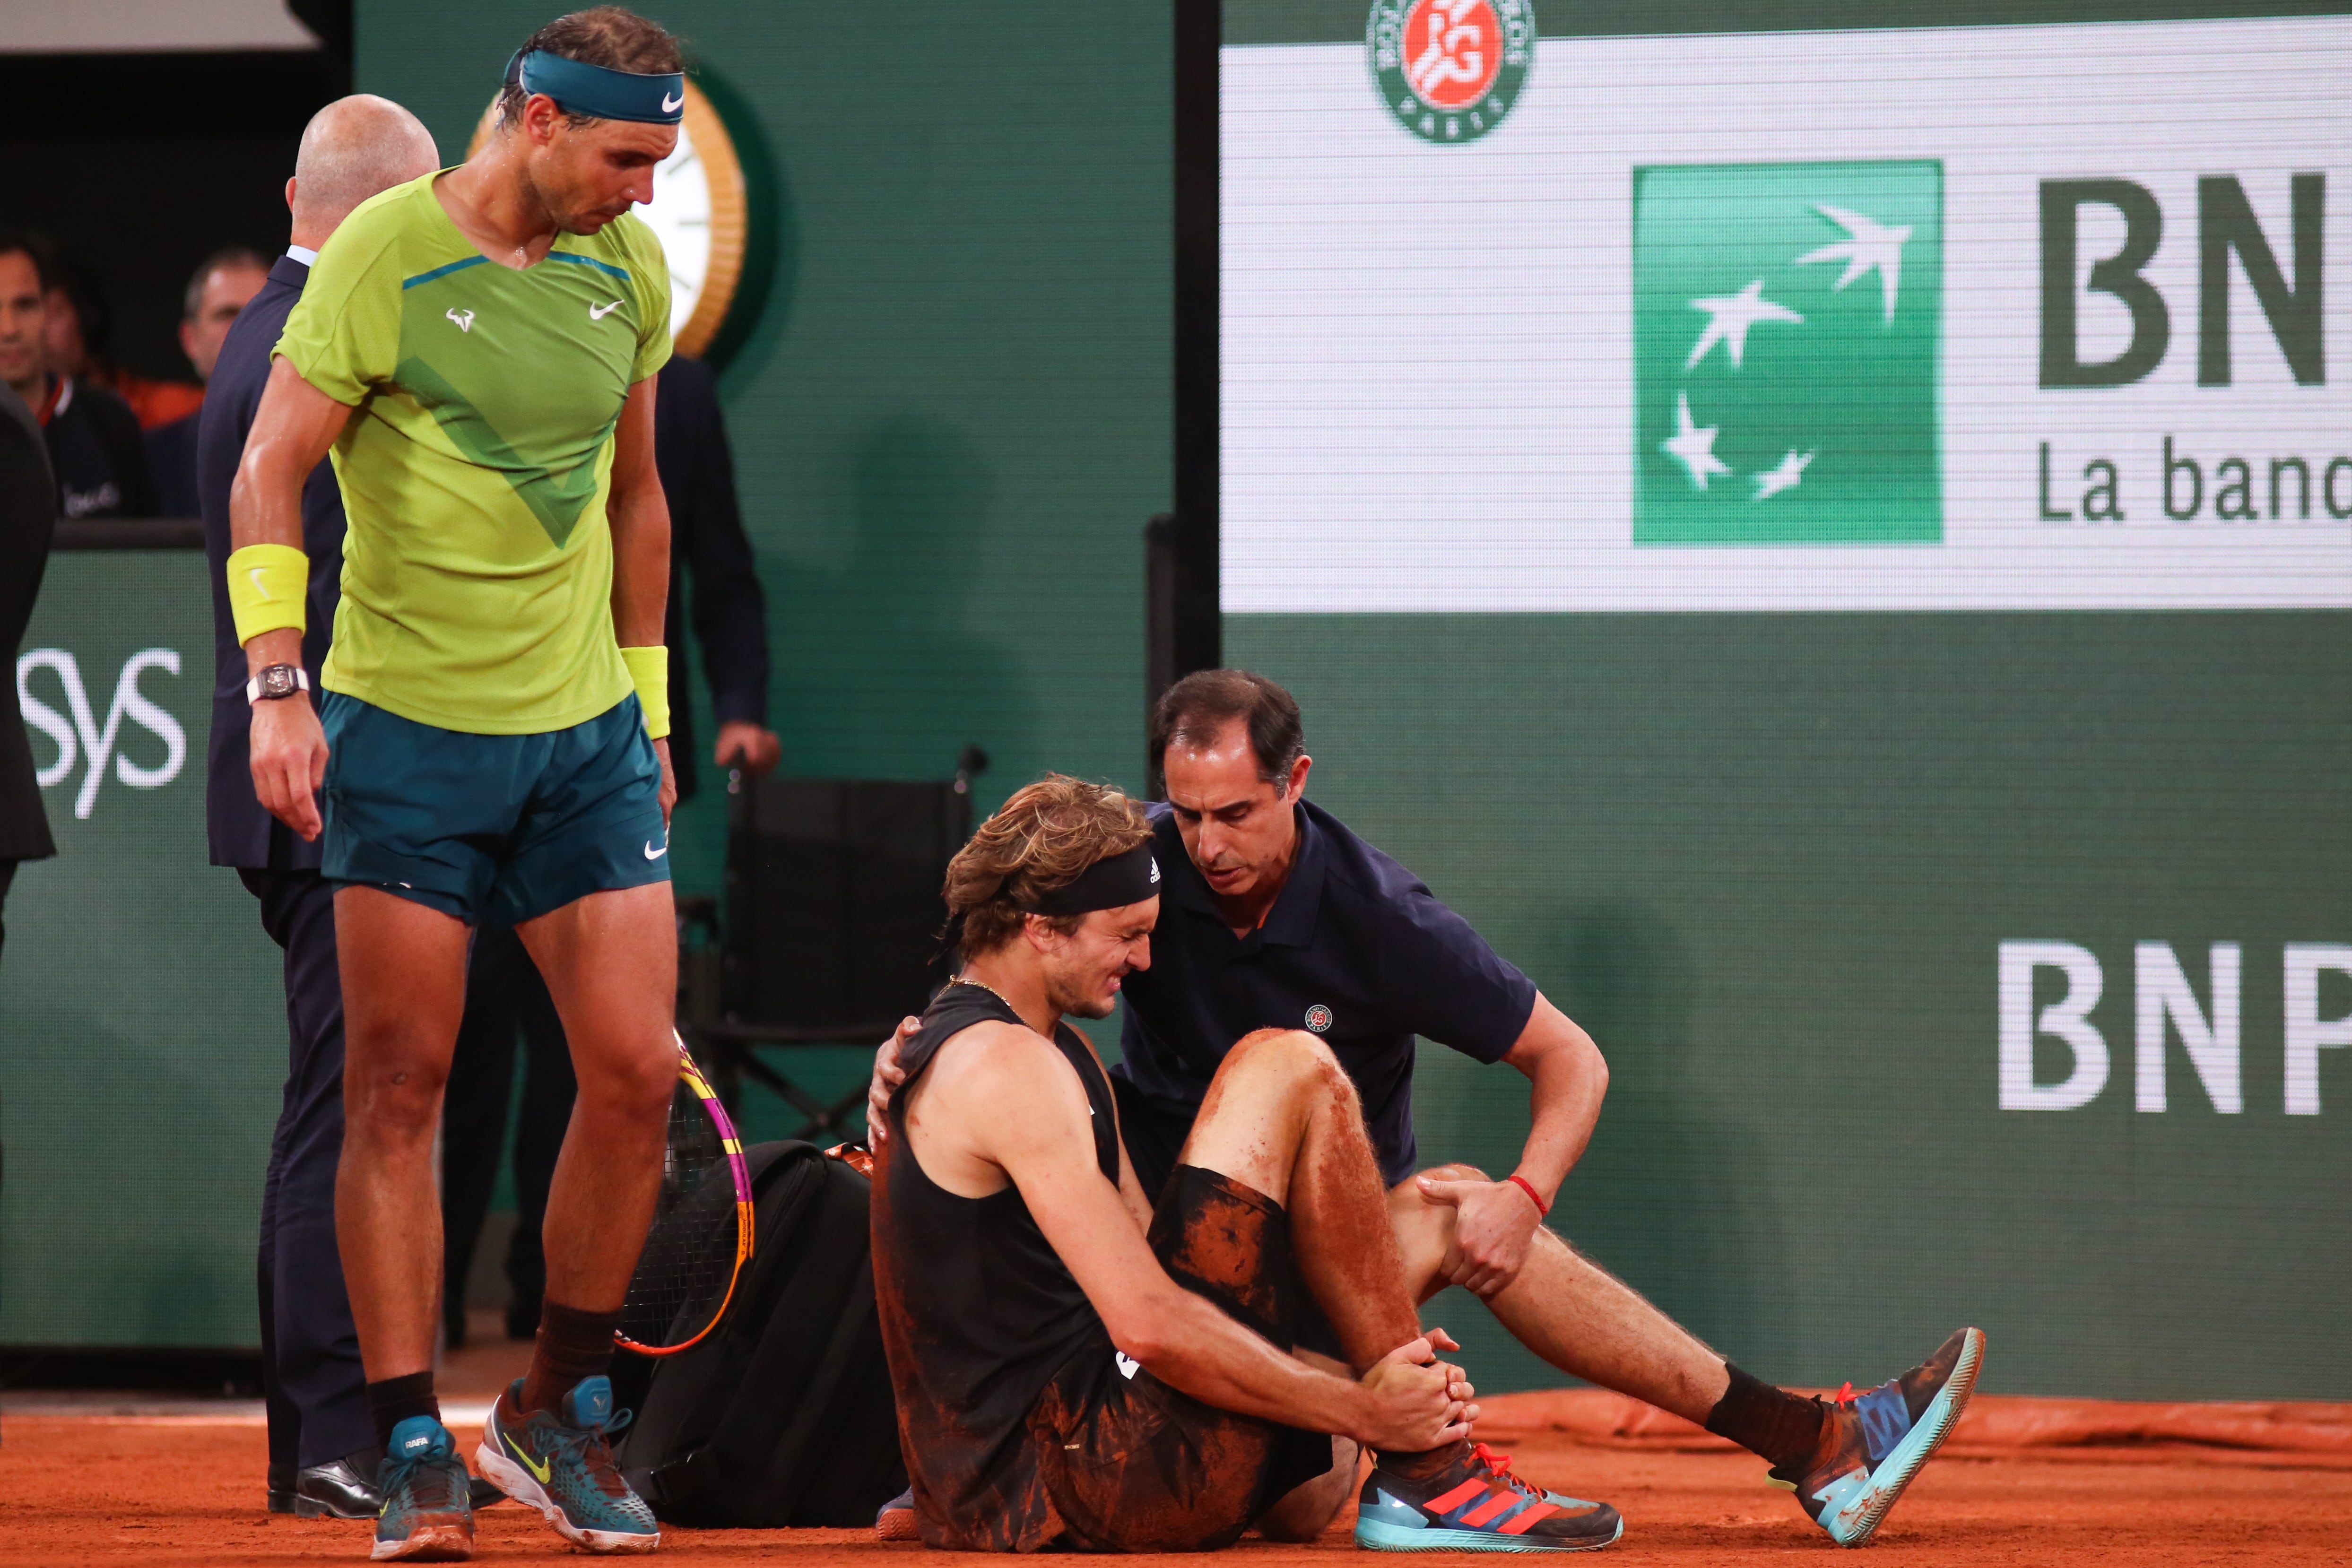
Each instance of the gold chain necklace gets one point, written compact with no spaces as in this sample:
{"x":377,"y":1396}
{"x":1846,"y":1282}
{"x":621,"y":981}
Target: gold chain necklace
{"x":992,"y":990}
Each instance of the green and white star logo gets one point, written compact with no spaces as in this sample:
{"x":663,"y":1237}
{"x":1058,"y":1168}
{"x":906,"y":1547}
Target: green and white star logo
{"x":1787,"y":319}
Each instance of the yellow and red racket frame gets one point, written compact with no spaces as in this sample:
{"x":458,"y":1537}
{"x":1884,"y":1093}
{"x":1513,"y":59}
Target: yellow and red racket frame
{"x":691,"y":1075}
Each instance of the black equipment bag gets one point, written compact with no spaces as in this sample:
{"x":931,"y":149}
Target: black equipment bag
{"x":784,"y":1414}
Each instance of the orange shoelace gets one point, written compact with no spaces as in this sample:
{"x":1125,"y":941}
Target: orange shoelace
{"x":1845,"y":1396}
{"x":1499,"y":1467}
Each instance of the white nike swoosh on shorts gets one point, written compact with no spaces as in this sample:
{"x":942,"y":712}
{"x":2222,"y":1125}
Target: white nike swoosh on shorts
{"x":654,"y":855}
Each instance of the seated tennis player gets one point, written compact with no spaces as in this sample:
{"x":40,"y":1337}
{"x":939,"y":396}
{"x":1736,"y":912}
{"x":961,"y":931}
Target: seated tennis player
{"x":1075,"y":1369}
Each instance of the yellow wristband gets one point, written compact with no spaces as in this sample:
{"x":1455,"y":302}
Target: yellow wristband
{"x":649,"y":672}
{"x":268,"y":587}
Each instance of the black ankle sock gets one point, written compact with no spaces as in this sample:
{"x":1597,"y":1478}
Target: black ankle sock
{"x":574,"y":1343}
{"x":1767,"y":1421}
{"x":1422,"y":1466}
{"x":395,"y":1399}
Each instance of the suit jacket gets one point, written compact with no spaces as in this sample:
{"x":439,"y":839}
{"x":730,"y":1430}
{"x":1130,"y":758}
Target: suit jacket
{"x":242,"y":832}
{"x":28,"y":515}
{"x":706,"y":545}
{"x":172,"y":465}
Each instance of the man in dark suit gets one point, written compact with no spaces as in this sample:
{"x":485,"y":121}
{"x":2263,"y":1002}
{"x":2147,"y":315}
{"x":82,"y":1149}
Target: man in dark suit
{"x":505,"y":998}
{"x":710,"y":557}
{"x":322,"y":1455}
{"x":28,"y":512}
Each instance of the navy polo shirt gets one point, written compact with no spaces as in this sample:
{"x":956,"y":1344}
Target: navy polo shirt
{"x":1356,"y":949}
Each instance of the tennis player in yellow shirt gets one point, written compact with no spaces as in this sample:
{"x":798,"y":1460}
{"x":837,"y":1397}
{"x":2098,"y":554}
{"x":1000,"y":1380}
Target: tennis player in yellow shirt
{"x":476,"y":349}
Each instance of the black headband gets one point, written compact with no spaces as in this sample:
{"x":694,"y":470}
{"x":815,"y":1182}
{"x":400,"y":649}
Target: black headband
{"x":1112,"y":883}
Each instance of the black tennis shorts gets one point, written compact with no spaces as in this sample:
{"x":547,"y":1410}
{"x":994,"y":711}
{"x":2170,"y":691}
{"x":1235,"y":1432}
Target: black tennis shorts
{"x":1133,"y":1465}
{"x":1154,"y":1135}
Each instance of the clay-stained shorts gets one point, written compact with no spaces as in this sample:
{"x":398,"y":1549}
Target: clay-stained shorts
{"x":1133,"y":1465}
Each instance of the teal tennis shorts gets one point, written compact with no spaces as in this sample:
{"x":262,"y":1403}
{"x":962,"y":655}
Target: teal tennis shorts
{"x":493,"y":828}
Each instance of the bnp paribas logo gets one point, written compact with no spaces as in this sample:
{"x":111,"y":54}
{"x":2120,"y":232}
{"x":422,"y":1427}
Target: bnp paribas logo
{"x":1786,"y":327}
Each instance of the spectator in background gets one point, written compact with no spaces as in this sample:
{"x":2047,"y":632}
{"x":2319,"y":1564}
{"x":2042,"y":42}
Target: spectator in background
{"x":322,"y":1448}
{"x":223,"y":282}
{"x":81,"y":332}
{"x":95,"y":453}
{"x":505,"y":998}
{"x":29,"y":513}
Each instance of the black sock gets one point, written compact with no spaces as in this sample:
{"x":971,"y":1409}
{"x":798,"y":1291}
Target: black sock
{"x":574,"y":1343}
{"x":1767,"y":1421}
{"x":1424,"y":1464}
{"x":395,"y":1399}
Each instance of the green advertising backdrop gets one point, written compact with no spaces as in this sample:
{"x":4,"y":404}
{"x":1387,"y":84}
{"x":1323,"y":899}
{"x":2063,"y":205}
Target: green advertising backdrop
{"x":142,"y":1026}
{"x":1769,"y":862}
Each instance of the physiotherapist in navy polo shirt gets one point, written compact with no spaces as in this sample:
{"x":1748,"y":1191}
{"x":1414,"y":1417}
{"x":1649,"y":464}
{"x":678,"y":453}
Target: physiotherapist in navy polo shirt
{"x":1272,"y":915}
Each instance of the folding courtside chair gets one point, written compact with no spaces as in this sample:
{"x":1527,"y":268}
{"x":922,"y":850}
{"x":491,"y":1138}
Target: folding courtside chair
{"x":831,"y":927}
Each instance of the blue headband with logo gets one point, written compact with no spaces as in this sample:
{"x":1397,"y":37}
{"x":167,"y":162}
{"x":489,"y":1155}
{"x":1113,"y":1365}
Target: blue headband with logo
{"x":594,"y":93}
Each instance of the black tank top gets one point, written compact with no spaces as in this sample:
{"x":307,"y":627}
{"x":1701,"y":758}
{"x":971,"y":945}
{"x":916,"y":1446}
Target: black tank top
{"x":978,"y":1312}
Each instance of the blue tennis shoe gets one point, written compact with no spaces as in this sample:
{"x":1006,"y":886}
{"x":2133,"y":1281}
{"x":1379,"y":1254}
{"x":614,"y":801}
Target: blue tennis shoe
{"x":1873,"y":1444}
{"x":1477,"y":1504}
{"x":427,"y":1514}
{"x":559,"y":1462}
{"x":895,"y":1519}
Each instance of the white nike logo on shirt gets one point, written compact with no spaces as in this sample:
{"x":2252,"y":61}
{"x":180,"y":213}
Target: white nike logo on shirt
{"x":598,"y":312}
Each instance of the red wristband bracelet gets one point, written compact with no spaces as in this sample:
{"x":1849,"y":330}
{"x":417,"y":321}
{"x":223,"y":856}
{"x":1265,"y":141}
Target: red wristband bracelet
{"x":1543,"y":1209}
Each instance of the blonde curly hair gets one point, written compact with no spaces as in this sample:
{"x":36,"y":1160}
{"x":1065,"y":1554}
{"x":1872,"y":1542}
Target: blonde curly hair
{"x":1043,"y":837}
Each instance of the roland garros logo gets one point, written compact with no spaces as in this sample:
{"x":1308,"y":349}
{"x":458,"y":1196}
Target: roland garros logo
{"x":1450,"y":69}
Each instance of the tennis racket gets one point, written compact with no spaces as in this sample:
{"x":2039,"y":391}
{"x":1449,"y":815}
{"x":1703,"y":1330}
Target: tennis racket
{"x":701,"y":1233}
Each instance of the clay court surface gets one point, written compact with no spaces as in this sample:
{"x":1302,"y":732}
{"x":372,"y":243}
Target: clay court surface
{"x":187,"y":1490}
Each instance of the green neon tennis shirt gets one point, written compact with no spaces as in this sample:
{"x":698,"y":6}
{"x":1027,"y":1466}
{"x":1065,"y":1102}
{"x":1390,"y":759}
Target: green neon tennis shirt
{"x":477,"y":571}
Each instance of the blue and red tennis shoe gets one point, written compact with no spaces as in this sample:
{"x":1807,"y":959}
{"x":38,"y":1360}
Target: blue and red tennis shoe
{"x":1873,"y":1444}
{"x":1477,"y":1504}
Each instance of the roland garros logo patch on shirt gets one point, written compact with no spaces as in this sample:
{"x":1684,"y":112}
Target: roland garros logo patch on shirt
{"x":1318,"y":1018}
{"x":1450,"y":69}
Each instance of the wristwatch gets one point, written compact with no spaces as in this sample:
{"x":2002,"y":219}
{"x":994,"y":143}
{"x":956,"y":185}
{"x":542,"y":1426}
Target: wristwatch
{"x":277,"y":681}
